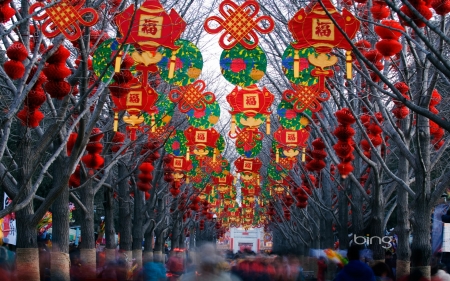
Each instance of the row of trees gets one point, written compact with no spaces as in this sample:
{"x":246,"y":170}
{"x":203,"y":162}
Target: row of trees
{"x":400,"y":168}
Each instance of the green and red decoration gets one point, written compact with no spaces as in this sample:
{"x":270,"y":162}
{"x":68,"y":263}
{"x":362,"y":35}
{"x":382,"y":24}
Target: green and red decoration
{"x":290,"y":142}
{"x":64,"y":17}
{"x":188,"y":63}
{"x":150,"y":26}
{"x":305,"y":98}
{"x":176,"y":143}
{"x":206,"y":118}
{"x":312,"y":27}
{"x":164,"y":109}
{"x":250,"y":101}
{"x":243,"y":67}
{"x":239,"y":24}
{"x":250,"y":165}
{"x":139,"y":99}
{"x":192,"y":97}
{"x":249,"y":142}
{"x":201,"y":141}
{"x":296,"y":66}
{"x":291,"y":119}
{"x":104,"y":53}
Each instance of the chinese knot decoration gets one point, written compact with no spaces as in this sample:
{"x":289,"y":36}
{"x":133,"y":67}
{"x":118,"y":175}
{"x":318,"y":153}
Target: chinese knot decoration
{"x":64,"y":18}
{"x":240,"y":24}
{"x":316,"y":29}
{"x":192,"y":97}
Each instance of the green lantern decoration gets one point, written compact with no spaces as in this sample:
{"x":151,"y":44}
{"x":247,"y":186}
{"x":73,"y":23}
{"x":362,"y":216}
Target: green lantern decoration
{"x":188,"y":63}
{"x":289,"y":118}
{"x":163,"y":115}
{"x":204,"y":119}
{"x":241,"y":119}
{"x":243,"y":67}
{"x":176,"y":144}
{"x":249,"y":142}
{"x":103,"y":55}
{"x":292,"y":57}
{"x":273,"y":173}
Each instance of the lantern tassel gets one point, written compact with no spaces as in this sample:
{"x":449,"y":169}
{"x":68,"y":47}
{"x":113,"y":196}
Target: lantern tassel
{"x":186,"y":180}
{"x":233,"y":125}
{"x":348,"y":59}
{"x":296,"y":64}
{"x":173,"y":60}
{"x":214,"y":155}
{"x":153,"y":123}
{"x":268,"y":125}
{"x":116,"y":121}
{"x":118,"y":63}
{"x":187,"y":154}
{"x":277,"y":156}
{"x":304,"y":155}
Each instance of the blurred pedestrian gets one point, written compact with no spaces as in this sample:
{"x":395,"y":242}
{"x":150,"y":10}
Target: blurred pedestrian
{"x":438,"y":273}
{"x":355,"y":270}
{"x":321,"y":268}
{"x":382,"y":272}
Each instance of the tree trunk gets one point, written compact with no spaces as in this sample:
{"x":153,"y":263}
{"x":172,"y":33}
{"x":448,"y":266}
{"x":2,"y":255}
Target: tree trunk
{"x":327,"y":237}
{"x":87,"y":245}
{"x":27,"y":255}
{"x":376,"y":230}
{"x":421,"y":220}
{"x":110,"y":233}
{"x":343,"y":217}
{"x":60,"y":263}
{"x":148,"y":246}
{"x":403,"y":228}
{"x":138,"y":234}
{"x":124,"y":210}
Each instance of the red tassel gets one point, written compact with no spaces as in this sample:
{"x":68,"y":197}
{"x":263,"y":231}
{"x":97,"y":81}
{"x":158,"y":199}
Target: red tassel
{"x":345,"y":116}
{"x":94,"y":147}
{"x":71,"y":143}
{"x":390,"y":29}
{"x":17,"y":51}
{"x":145,"y":187}
{"x":379,"y":11}
{"x":60,"y":56}
{"x":435,"y":98}
{"x":14,"y":69}
{"x":35,"y":98}
{"x":345,"y":169}
{"x":344,"y":132}
{"x":146,"y":168}
{"x":93,"y":161}
{"x":442,"y":7}
{"x":57,"y":89}
{"x":6,"y":12}
{"x":119,"y":90}
{"x":388,"y":47}
{"x":31,"y":118}
{"x":56,"y":71}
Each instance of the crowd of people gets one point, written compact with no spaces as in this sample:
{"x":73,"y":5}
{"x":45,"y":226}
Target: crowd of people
{"x":207,"y":264}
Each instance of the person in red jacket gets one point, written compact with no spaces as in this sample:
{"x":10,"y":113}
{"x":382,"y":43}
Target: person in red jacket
{"x":321,"y":269}
{"x":175,"y":264}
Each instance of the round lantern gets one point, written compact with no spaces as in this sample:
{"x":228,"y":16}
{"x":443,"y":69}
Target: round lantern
{"x":188,"y":63}
{"x":243,"y":67}
{"x":296,"y":66}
